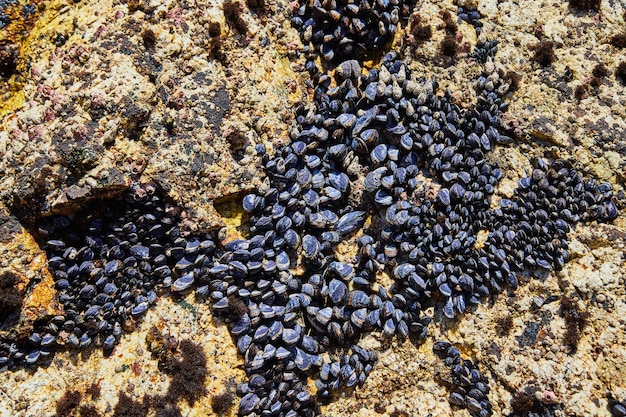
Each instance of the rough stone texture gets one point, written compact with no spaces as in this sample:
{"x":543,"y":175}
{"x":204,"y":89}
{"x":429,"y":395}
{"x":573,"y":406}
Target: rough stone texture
{"x":176,"y":93}
{"x":148,"y":90}
{"x":26,"y":286}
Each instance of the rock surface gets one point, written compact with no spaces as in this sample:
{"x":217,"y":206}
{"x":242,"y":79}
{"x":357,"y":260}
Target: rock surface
{"x":107,"y":93}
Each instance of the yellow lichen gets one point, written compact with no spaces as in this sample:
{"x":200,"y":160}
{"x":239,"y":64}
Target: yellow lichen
{"x":235,"y":219}
{"x":41,"y":300}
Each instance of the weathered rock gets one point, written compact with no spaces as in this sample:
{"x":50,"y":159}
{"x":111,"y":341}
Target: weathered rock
{"x":181,"y":95}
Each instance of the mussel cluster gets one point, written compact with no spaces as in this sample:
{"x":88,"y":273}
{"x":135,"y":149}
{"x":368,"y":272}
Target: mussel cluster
{"x":110,"y":263}
{"x":471,"y":16}
{"x":470,"y":386}
{"x":338,"y":30}
{"x":428,"y":188}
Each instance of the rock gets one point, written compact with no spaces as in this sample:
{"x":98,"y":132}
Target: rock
{"x":139,"y":92}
